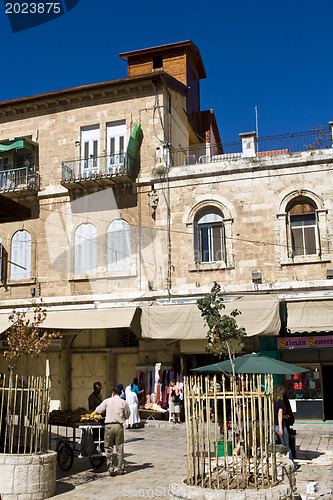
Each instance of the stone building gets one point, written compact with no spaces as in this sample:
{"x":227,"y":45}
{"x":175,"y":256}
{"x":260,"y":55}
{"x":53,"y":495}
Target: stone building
{"x":120,"y":207}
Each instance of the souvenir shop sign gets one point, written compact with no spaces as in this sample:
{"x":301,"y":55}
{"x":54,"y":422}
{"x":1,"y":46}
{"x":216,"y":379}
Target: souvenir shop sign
{"x":305,"y":342}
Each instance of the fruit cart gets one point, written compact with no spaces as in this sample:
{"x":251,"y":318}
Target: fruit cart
{"x":83,"y":437}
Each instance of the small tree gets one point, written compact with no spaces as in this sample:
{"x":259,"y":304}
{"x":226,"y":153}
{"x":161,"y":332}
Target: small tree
{"x":223,"y":329}
{"x":25,"y":337}
{"x":323,"y":139}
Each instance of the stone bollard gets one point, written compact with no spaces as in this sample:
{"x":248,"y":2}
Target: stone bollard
{"x":28,"y":477}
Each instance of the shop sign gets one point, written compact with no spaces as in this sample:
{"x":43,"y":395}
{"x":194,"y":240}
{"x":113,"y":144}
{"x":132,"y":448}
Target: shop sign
{"x":319,"y":342}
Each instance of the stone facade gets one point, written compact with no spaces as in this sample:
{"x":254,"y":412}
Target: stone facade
{"x":161,"y":207}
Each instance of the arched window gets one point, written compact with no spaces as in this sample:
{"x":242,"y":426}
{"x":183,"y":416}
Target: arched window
{"x":119,"y":246}
{"x":209,"y":236}
{"x":85,"y":251}
{"x":20,"y":255}
{"x":303,"y":227}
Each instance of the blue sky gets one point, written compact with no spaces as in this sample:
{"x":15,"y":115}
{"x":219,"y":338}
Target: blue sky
{"x":276,"y":55}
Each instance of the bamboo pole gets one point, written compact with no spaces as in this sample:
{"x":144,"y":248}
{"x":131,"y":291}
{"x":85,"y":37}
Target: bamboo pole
{"x":2,"y":405}
{"x":216,"y":436}
{"x":260,"y":428}
{"x":266,"y":433}
{"x":225,"y":432}
{"x":254,"y":433}
{"x":208,"y":447}
{"x":188,"y":423}
{"x":195,"y":432}
{"x":201,"y":432}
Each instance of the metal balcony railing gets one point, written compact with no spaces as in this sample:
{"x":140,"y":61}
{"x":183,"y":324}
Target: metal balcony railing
{"x":19,"y":179}
{"x":316,"y":139}
{"x":95,"y":167}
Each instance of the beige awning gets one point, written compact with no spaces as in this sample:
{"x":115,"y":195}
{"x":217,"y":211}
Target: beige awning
{"x":184,"y":321}
{"x":4,"y":322}
{"x":310,"y":316}
{"x":82,"y":319}
{"x":86,"y":319}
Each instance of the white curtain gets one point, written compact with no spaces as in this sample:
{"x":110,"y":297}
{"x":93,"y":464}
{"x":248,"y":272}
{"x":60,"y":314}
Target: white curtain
{"x":20,"y":266}
{"x":85,"y":254}
{"x":119,"y":246}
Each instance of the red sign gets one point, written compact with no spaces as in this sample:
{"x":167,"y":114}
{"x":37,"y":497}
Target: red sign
{"x":305,"y":342}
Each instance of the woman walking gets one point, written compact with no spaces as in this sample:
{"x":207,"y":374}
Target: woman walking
{"x":174,"y":401}
{"x":133,"y":402}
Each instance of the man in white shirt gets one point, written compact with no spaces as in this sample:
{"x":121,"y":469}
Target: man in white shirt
{"x":117,"y":411}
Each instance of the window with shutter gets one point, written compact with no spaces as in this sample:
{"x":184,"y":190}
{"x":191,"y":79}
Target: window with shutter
{"x":20,"y":265}
{"x":116,"y":133}
{"x":209,"y":236}
{"x":303,"y":227}
{"x":119,"y":246}
{"x":85,"y":249}
{"x":89,"y":150}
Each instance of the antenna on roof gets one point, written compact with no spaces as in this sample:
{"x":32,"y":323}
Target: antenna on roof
{"x":256,"y":112}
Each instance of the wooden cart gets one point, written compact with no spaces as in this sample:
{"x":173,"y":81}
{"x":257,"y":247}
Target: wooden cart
{"x":66,"y":440}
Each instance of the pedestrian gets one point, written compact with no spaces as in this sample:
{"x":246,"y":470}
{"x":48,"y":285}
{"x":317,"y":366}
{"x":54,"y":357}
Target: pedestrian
{"x":122,"y":394}
{"x":135,"y":387}
{"x":288,"y":421}
{"x":117,"y":411}
{"x":280,"y":428}
{"x":95,"y":397}
{"x":174,"y":401}
{"x":94,"y":400}
{"x":133,"y":402}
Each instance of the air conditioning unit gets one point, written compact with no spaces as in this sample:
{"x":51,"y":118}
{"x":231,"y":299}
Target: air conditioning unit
{"x":190,"y":160}
{"x":256,"y":276}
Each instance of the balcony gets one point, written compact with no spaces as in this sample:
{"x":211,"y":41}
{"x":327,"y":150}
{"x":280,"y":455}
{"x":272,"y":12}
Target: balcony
{"x":101,"y":170}
{"x":18,"y":166}
{"x":19,"y":179}
{"x":107,"y":170}
{"x":249,"y":146}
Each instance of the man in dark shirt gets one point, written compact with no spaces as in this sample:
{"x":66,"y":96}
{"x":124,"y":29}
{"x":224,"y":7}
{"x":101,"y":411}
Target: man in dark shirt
{"x":95,"y":397}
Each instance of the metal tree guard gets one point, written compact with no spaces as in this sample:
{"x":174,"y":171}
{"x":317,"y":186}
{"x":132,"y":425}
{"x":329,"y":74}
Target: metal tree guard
{"x":24,"y":412}
{"x":237,"y":448}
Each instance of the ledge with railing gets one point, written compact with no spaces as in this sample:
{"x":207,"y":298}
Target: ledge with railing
{"x":19,"y":179}
{"x":249,"y":146}
{"x":95,"y":167}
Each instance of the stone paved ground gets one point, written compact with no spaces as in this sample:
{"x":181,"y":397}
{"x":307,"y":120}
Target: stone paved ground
{"x":155,"y":456}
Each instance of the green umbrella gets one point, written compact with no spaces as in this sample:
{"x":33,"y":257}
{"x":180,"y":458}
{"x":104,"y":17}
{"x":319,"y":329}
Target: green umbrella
{"x":253,"y":363}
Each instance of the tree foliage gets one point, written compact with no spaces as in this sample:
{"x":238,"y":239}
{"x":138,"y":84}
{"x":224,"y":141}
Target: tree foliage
{"x":25,"y":337}
{"x":222,"y":327}
{"x":323,"y":139}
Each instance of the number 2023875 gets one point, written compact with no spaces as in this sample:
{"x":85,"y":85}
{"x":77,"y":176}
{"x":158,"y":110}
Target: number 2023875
{"x":33,"y":8}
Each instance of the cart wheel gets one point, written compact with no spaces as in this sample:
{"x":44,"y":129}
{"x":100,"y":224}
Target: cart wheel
{"x":65,"y":456}
{"x":97,"y":461}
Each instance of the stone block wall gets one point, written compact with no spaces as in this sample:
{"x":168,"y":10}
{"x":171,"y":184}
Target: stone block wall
{"x":28,"y":477}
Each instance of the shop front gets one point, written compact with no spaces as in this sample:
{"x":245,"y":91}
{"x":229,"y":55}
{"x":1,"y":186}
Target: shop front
{"x":309,"y":343}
